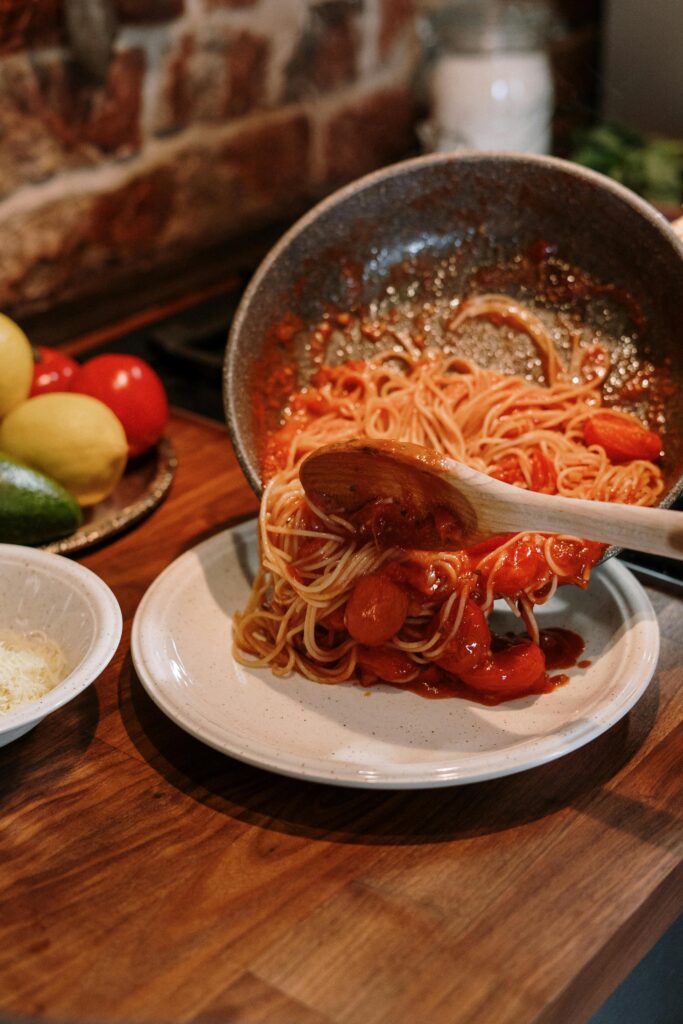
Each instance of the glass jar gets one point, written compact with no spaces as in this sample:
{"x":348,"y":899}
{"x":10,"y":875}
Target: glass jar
{"x":490,"y":82}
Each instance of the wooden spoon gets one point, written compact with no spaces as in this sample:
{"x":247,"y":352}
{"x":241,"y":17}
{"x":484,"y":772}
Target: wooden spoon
{"x":344,"y":477}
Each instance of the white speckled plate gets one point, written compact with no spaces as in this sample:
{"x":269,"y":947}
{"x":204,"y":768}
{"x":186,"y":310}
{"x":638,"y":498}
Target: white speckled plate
{"x":384,"y":737}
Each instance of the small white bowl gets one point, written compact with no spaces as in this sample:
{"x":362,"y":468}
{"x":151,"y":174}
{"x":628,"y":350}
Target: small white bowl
{"x":73,"y":607}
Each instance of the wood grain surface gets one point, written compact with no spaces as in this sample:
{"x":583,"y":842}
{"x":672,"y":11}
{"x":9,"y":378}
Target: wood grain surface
{"x":146,"y":877}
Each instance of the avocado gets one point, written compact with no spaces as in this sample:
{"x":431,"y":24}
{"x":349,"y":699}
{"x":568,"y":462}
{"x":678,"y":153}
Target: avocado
{"x":34,"y":509}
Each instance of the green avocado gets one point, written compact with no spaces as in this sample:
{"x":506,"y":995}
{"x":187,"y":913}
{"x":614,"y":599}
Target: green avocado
{"x":34,"y":509}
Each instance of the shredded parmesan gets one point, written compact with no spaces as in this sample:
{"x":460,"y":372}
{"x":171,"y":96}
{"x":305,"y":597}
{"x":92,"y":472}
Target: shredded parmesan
{"x":30,"y":666}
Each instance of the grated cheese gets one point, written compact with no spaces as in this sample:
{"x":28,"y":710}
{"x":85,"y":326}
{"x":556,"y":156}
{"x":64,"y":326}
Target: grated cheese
{"x":30,"y":666}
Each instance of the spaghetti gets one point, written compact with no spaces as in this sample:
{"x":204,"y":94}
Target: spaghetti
{"x":357,"y":599}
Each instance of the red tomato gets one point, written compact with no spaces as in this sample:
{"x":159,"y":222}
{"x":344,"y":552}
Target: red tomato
{"x":508,"y":470}
{"x":622,"y":437}
{"x":573,"y":557}
{"x":510,"y":672}
{"x":519,"y":570}
{"x":53,"y":371}
{"x":376,"y":610}
{"x":543,"y":476}
{"x":133,"y":391}
{"x":390,"y":665}
{"x":471,"y":643}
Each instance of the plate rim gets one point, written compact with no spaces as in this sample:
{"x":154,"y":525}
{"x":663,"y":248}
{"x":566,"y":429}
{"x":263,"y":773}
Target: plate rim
{"x":623,"y":584}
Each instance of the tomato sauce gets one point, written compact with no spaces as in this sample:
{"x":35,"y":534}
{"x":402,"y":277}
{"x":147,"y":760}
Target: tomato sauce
{"x":445,"y":687}
{"x":541,"y":272}
{"x":561,"y":648}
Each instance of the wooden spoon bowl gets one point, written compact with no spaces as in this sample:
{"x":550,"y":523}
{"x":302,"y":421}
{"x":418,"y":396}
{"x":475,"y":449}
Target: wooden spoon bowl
{"x":345,"y":477}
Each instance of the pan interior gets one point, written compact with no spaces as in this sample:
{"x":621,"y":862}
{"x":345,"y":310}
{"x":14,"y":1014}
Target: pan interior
{"x":406,"y":247}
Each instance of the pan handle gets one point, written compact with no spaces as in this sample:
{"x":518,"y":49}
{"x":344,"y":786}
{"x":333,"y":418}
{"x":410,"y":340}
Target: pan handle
{"x":677,"y":226}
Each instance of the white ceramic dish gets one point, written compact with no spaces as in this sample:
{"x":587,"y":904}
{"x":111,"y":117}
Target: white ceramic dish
{"x":380,"y":738}
{"x":71,"y":605}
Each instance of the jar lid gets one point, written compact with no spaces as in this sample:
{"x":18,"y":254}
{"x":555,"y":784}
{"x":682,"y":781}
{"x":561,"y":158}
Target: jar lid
{"x":476,"y":26}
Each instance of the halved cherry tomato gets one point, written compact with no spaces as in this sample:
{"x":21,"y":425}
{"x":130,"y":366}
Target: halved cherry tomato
{"x":508,"y":470}
{"x":510,"y":672}
{"x":133,"y":391}
{"x":543,"y":476}
{"x":622,"y":437}
{"x":520,"y":568}
{"x":573,"y":557}
{"x":53,"y":371}
{"x":376,"y":609}
{"x":471,"y":643}
{"x":390,"y":665}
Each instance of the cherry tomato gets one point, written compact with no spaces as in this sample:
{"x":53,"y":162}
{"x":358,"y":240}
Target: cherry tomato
{"x":376,"y":610}
{"x":508,"y":470}
{"x":543,"y":476}
{"x":520,"y":568}
{"x":389,"y":664}
{"x":573,"y":557}
{"x":510,"y":672}
{"x":133,"y":391}
{"x":471,"y":643}
{"x":53,"y":371}
{"x":622,"y":437}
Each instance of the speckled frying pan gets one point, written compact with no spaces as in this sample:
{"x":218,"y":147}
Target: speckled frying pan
{"x":470,"y":212}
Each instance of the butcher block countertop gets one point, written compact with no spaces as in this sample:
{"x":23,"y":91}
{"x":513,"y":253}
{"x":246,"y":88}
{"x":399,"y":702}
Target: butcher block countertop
{"x":146,"y":877}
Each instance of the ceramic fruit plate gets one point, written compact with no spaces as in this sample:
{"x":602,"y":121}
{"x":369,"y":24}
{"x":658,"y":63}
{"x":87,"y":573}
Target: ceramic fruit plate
{"x":143,"y":487}
{"x":380,"y":737}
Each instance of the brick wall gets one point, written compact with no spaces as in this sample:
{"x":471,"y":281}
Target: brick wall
{"x":212,"y":117}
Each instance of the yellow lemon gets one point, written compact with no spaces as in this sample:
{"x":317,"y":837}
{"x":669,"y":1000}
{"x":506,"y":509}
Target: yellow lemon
{"x":16,"y":365}
{"x":75,"y":439}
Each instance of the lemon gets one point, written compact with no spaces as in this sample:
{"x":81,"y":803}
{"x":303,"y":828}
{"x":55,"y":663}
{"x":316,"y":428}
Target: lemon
{"x":16,"y":365}
{"x":75,"y":439}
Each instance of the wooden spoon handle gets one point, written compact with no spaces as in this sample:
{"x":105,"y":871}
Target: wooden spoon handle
{"x":677,"y":226}
{"x":653,"y":530}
